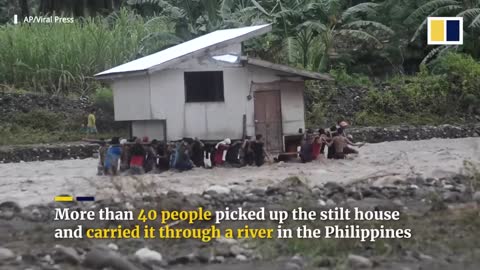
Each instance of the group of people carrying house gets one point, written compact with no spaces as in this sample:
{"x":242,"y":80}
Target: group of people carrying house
{"x":138,"y":156}
{"x":334,"y":140}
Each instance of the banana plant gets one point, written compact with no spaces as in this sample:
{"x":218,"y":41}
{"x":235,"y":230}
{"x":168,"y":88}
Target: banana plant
{"x":468,"y":9}
{"x":348,"y":23}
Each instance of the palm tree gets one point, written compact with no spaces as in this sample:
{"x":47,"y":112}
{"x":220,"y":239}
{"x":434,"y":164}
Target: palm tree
{"x":80,"y":8}
{"x":334,"y":22}
{"x":468,"y":9}
{"x":191,"y":18}
{"x":306,"y":25}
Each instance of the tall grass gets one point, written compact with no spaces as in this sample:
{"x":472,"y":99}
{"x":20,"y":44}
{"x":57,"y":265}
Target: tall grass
{"x":62,"y":58}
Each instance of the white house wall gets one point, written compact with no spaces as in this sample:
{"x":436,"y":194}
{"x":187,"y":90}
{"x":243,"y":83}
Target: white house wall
{"x":153,"y":129}
{"x":293,"y":110}
{"x":131,"y":97}
{"x":207,"y":120}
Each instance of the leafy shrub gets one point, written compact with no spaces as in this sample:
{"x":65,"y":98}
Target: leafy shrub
{"x":449,"y":89}
{"x":464,"y":78}
{"x":317,"y":97}
{"x":385,"y":102}
{"x":103,"y":99}
{"x":344,"y":79}
{"x":316,"y":115}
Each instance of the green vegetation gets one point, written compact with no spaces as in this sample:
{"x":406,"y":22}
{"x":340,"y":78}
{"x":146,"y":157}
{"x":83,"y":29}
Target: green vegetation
{"x":372,"y":38}
{"x":343,"y":78}
{"x":62,"y":58}
{"x":428,"y":237}
{"x":352,"y":23}
{"x":42,"y":126}
{"x":18,"y":135}
{"x":360,"y":43}
{"x":103,"y":99}
{"x":445,"y":92}
{"x":469,"y":10}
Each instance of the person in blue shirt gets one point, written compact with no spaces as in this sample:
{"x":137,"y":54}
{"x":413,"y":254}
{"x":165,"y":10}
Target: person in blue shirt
{"x":112,"y":157}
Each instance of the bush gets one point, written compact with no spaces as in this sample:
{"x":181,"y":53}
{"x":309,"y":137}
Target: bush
{"x":317,"y":96}
{"x":342,"y":78}
{"x":103,"y":100}
{"x":316,"y":115}
{"x":464,"y":78}
{"x":448,"y":90}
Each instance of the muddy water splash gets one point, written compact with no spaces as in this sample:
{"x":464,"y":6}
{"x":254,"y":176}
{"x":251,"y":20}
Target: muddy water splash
{"x":38,"y":182}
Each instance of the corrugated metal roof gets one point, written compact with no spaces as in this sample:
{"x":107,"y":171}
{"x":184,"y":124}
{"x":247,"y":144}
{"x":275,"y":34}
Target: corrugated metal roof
{"x":162,"y":59}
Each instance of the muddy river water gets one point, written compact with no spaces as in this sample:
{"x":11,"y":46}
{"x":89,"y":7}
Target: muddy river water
{"x":38,"y":182}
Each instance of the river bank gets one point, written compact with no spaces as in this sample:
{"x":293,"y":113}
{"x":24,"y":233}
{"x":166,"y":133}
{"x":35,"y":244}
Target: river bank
{"x":77,"y":150}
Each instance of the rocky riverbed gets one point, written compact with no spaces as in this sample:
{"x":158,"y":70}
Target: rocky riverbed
{"x":443,"y":214}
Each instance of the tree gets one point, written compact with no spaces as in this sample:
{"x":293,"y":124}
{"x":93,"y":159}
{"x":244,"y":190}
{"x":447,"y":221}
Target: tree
{"x":191,"y":18}
{"x":468,"y":9}
{"x":354,"y":22}
{"x":80,"y":8}
{"x":6,"y":10}
{"x":24,"y":8}
{"x":305,"y":31}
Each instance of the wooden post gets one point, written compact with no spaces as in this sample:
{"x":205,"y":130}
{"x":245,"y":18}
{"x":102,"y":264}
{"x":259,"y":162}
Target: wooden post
{"x":244,"y":125}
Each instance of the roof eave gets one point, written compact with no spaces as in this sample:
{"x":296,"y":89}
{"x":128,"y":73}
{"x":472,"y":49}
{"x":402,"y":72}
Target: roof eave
{"x":119,"y":75}
{"x":307,"y":75}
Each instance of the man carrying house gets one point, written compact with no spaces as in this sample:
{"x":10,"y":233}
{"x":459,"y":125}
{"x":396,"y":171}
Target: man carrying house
{"x":340,"y":144}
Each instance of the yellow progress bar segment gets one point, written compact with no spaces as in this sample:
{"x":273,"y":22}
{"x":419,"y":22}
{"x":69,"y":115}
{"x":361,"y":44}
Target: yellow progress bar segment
{"x":63,"y":198}
{"x":437,"y":30}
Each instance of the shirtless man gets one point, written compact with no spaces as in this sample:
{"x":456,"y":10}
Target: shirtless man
{"x":341,"y":143}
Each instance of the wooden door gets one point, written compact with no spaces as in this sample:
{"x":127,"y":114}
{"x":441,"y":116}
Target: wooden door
{"x":268,"y":118}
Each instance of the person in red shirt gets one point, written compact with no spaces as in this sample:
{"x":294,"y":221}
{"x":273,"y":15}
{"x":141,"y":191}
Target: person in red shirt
{"x":316,"y":147}
{"x":220,"y":151}
{"x":137,"y":158}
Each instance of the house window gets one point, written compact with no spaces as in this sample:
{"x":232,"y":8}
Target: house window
{"x":204,"y":86}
